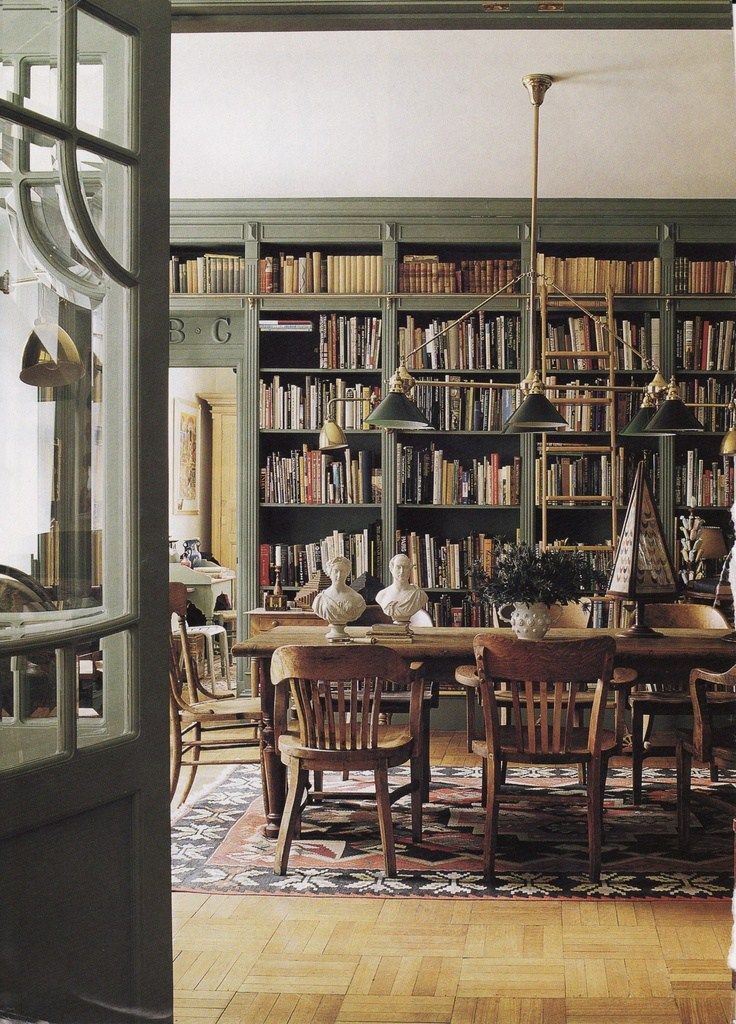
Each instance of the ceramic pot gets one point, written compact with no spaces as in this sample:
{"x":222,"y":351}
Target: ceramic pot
{"x":530,"y":621}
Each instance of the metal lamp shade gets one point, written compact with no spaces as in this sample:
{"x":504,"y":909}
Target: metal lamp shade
{"x":332,"y":437}
{"x":536,"y":413}
{"x":397,"y":412}
{"x":728,"y":444}
{"x":50,"y":358}
{"x":674,"y":417}
{"x":640,"y":422}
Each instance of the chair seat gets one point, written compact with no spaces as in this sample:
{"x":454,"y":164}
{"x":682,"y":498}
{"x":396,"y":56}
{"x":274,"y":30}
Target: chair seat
{"x":231,"y":709}
{"x":578,"y":747}
{"x":466,"y":675}
{"x":394,"y":743}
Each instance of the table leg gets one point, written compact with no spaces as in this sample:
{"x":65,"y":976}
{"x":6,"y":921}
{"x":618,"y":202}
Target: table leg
{"x":274,"y":775}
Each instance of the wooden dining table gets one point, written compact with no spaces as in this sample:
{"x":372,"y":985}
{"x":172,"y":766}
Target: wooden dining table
{"x":668,"y":658}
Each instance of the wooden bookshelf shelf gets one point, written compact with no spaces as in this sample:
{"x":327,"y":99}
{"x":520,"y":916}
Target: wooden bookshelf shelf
{"x":313,"y":371}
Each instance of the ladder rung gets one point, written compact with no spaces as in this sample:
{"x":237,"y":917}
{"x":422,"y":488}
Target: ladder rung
{"x":578,"y":499}
{"x":563,"y":449}
{"x":582,"y":547}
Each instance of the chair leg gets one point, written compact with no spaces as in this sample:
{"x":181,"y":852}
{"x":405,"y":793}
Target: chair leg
{"x":174,"y":753}
{"x":195,"y":763}
{"x":484,"y":783}
{"x":594,"y":818}
{"x":417,"y":770}
{"x":384,"y":821}
{"x":637,"y":752}
{"x":490,"y":832}
{"x":713,"y":772}
{"x":684,"y":766}
{"x":502,"y":776}
{"x":470,"y":718}
{"x":291,"y":816}
{"x":426,"y":765}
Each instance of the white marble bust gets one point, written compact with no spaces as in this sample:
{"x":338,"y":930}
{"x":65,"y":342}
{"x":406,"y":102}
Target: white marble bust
{"x":339,"y":603}
{"x":402,"y":599}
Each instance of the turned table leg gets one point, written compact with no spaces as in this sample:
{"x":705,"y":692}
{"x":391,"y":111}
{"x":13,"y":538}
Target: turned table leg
{"x":274,"y":774}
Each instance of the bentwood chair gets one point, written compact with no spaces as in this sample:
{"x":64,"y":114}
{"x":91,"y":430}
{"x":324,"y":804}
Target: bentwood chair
{"x":544,"y":681}
{"x":711,"y":741}
{"x":664,"y":699}
{"x":199,"y":724}
{"x":338,"y":695}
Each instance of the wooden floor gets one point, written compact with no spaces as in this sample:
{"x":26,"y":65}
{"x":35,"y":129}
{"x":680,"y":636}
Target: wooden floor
{"x":307,"y":960}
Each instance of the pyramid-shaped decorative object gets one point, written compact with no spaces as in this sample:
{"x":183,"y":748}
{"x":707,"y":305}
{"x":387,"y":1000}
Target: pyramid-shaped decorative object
{"x":316,"y":582}
{"x":642,"y":568}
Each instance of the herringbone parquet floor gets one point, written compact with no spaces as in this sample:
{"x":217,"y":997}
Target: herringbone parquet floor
{"x":303,"y":960}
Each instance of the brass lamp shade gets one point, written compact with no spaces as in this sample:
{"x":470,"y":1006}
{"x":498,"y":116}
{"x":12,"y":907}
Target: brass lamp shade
{"x":332,"y":437}
{"x":50,"y":358}
{"x":398,"y":412}
{"x":728,"y":444}
{"x":536,"y":413}
{"x":712,"y":544}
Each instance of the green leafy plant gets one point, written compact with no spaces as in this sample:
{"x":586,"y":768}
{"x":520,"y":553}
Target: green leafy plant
{"x":521,"y":573}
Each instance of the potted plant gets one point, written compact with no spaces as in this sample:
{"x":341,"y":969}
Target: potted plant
{"x":532,"y":581}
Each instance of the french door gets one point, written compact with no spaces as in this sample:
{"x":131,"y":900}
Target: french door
{"x":85,"y":931}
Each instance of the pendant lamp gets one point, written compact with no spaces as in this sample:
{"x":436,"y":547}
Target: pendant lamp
{"x":536,"y":413}
{"x":397,"y":411}
{"x":50,"y":357}
{"x":332,"y":437}
{"x":643,"y":417}
{"x":673,"y":416}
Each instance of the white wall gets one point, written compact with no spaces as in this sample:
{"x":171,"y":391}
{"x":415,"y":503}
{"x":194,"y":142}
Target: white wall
{"x":187,"y":384}
{"x":648,"y":114}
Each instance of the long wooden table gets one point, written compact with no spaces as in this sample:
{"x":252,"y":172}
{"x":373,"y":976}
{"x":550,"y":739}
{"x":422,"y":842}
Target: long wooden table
{"x":443,"y":649}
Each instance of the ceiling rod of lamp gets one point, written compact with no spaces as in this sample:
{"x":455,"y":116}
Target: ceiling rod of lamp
{"x":536,"y":412}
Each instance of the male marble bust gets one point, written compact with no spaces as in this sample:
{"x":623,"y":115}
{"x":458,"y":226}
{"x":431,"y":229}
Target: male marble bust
{"x":402,"y":598}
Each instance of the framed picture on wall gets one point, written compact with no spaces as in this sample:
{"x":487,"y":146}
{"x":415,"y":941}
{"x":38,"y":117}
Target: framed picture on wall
{"x":185,"y":489}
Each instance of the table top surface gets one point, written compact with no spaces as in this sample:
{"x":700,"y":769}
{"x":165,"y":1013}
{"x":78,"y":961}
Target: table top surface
{"x":457,"y":641}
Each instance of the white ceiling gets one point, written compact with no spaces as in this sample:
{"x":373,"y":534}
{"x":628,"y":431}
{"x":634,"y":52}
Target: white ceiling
{"x":631,"y":114}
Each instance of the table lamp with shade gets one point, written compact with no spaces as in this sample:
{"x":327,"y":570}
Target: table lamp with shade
{"x":712,"y":550}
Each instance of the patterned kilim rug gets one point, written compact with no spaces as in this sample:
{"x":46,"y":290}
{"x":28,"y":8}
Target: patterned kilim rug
{"x":218,"y":845}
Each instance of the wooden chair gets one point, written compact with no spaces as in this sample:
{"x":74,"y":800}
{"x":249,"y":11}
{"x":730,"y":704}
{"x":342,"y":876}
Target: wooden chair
{"x":338,"y":695}
{"x":189,"y":712}
{"x":711,"y":741}
{"x":544,"y":680}
{"x":669,"y":698}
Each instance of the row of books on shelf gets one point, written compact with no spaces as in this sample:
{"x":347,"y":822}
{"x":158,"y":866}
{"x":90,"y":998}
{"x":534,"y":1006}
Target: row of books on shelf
{"x":444,"y":563}
{"x":570,"y":477}
{"x":341,"y":274}
{"x":306,"y":477}
{"x":210,"y":274}
{"x":349,"y":342}
{"x":586,"y":411}
{"x":704,"y":344}
{"x":482,"y":342}
{"x":709,"y":277}
{"x":425,"y":477}
{"x":466,"y":408}
{"x":586,"y":274}
{"x":704,"y":482}
{"x":298,"y":562}
{"x":284,"y":406}
{"x":702,"y":393}
{"x":428,"y":274}
{"x":581,"y":334}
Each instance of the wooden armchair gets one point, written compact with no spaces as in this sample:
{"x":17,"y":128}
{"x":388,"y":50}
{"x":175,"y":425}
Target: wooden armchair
{"x":196,"y":724}
{"x":711,"y":741}
{"x":545,"y":679}
{"x":659,"y":698}
{"x":338,"y":693}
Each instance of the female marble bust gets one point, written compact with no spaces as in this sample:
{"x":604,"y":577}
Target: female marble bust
{"x":339,"y":603}
{"x":402,"y":599}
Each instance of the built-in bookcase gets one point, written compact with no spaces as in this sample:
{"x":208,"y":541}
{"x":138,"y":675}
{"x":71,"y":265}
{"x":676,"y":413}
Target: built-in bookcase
{"x":327,"y":297}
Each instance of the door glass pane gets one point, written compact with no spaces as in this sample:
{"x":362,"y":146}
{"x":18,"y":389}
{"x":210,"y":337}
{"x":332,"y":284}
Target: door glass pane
{"x":29,"y":697}
{"x":102,"y":710}
{"x":106,"y":190}
{"x":104,"y":61}
{"x":28,"y":37}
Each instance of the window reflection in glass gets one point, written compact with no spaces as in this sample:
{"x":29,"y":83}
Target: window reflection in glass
{"x":28,"y":35}
{"x":29,"y":695}
{"x":104,"y":64}
{"x":106,"y":190}
{"x":102,"y":709}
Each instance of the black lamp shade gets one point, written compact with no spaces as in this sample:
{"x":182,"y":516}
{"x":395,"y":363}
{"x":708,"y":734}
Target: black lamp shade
{"x":640,"y":422}
{"x":674,"y":417}
{"x":536,"y":413}
{"x":397,"y":412}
